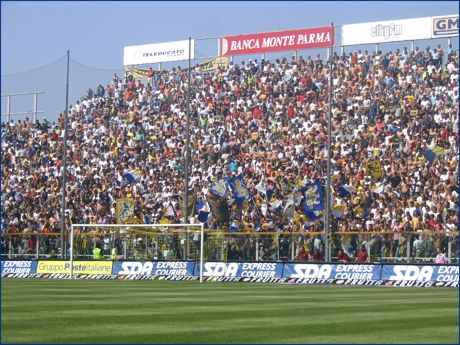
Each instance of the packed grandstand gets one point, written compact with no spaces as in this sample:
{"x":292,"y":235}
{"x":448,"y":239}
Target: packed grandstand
{"x":265,"y":122}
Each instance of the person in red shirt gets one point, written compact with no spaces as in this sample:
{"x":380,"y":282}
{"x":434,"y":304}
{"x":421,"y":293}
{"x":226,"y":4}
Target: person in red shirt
{"x":362,"y":255}
{"x":317,"y":256}
{"x":342,"y":256}
{"x":302,"y":255}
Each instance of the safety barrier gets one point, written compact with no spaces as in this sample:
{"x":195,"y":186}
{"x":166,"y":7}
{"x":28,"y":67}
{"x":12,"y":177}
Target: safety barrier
{"x":249,"y":245}
{"x":276,"y":272}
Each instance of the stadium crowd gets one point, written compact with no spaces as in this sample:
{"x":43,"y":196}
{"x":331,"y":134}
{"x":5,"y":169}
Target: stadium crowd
{"x":264,"y":120}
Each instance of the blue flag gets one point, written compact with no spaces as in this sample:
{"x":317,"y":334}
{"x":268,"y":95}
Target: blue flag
{"x":429,"y":155}
{"x":345,"y":190}
{"x":132,"y":175}
{"x":239,"y":189}
{"x":234,"y":227}
{"x":311,"y":215}
{"x":220,"y":187}
{"x":314,"y":197}
{"x":203,"y":216}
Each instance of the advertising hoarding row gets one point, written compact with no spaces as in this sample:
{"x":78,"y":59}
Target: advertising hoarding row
{"x":276,"y":41}
{"x":158,"y":52}
{"x":445,"y":26}
{"x":307,"y":273}
{"x":321,"y":37}
{"x":399,"y":30}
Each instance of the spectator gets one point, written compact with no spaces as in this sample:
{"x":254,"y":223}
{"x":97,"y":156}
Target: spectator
{"x":342,"y":256}
{"x":265,"y":121}
{"x":302,"y":255}
{"x":362,"y":255}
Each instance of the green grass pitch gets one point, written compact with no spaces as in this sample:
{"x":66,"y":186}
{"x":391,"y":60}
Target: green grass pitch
{"x":104,"y":311}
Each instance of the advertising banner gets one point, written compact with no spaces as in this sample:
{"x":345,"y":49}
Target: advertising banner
{"x":276,"y":41}
{"x":332,"y":271}
{"x":241,"y":269}
{"x":19,"y":267}
{"x":159,"y":52}
{"x":214,"y":64}
{"x":79,"y":267}
{"x":386,"y":31}
{"x":147,"y":268}
{"x":420,"y":273}
{"x":211,"y":65}
{"x":445,"y":26}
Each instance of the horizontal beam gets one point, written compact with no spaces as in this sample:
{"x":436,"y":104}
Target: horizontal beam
{"x":23,"y":94}
{"x":23,"y":113}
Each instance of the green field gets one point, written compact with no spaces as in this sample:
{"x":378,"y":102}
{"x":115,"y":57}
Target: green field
{"x":85,"y":311}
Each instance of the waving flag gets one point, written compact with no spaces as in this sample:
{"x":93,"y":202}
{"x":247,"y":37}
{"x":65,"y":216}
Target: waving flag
{"x":314,"y":197}
{"x":311,"y":215}
{"x":260,"y":187}
{"x":132,"y":175}
{"x":234,"y":227}
{"x":378,"y":188}
{"x":203,"y":212}
{"x":203,"y":216}
{"x":438,"y":151}
{"x":338,"y":211}
{"x":289,"y":208}
{"x":265,"y":189}
{"x":219,"y":209}
{"x":430,"y":155}
{"x":125,"y":211}
{"x":190,"y":204}
{"x":275,"y":204}
{"x":374,"y":168}
{"x":220,"y":187}
{"x":345,"y":190}
{"x":239,"y":190}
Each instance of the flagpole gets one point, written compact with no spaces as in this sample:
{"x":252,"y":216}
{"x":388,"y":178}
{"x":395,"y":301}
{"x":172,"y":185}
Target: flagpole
{"x":64,"y":161}
{"x":187,"y":145}
{"x":328,"y":186}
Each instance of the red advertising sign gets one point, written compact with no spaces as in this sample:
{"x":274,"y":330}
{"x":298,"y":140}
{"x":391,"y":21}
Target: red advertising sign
{"x":277,"y":41}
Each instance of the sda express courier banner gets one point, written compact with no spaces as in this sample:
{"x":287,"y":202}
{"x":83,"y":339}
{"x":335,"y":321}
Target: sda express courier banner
{"x":18,"y":267}
{"x":277,"y":41}
{"x":165,"y":268}
{"x":332,"y":271}
{"x":421,"y":273}
{"x":241,"y":269}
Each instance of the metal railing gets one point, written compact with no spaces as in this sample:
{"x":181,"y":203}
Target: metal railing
{"x":33,"y":112}
{"x":412,"y":247}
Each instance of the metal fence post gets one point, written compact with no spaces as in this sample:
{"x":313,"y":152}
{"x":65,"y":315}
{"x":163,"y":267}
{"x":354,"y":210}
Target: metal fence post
{"x":35,"y":108}
{"x":408,"y":248}
{"x":449,"y":248}
{"x":8,"y":108}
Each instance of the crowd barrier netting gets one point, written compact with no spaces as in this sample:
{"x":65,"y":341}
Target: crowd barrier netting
{"x":411,"y":247}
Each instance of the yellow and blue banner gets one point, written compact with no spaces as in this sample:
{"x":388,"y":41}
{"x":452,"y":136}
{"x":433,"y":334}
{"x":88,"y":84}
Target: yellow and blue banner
{"x":313,"y":198}
{"x":220,"y":187}
{"x":125,"y":211}
{"x":239,"y":189}
{"x":132,"y":175}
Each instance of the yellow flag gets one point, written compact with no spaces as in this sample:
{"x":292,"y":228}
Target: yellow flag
{"x":374,"y":168}
{"x":124,"y":210}
{"x":438,"y":150}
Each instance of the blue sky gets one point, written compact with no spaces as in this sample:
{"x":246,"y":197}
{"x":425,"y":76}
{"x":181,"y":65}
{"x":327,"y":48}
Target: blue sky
{"x":36,"y":34}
